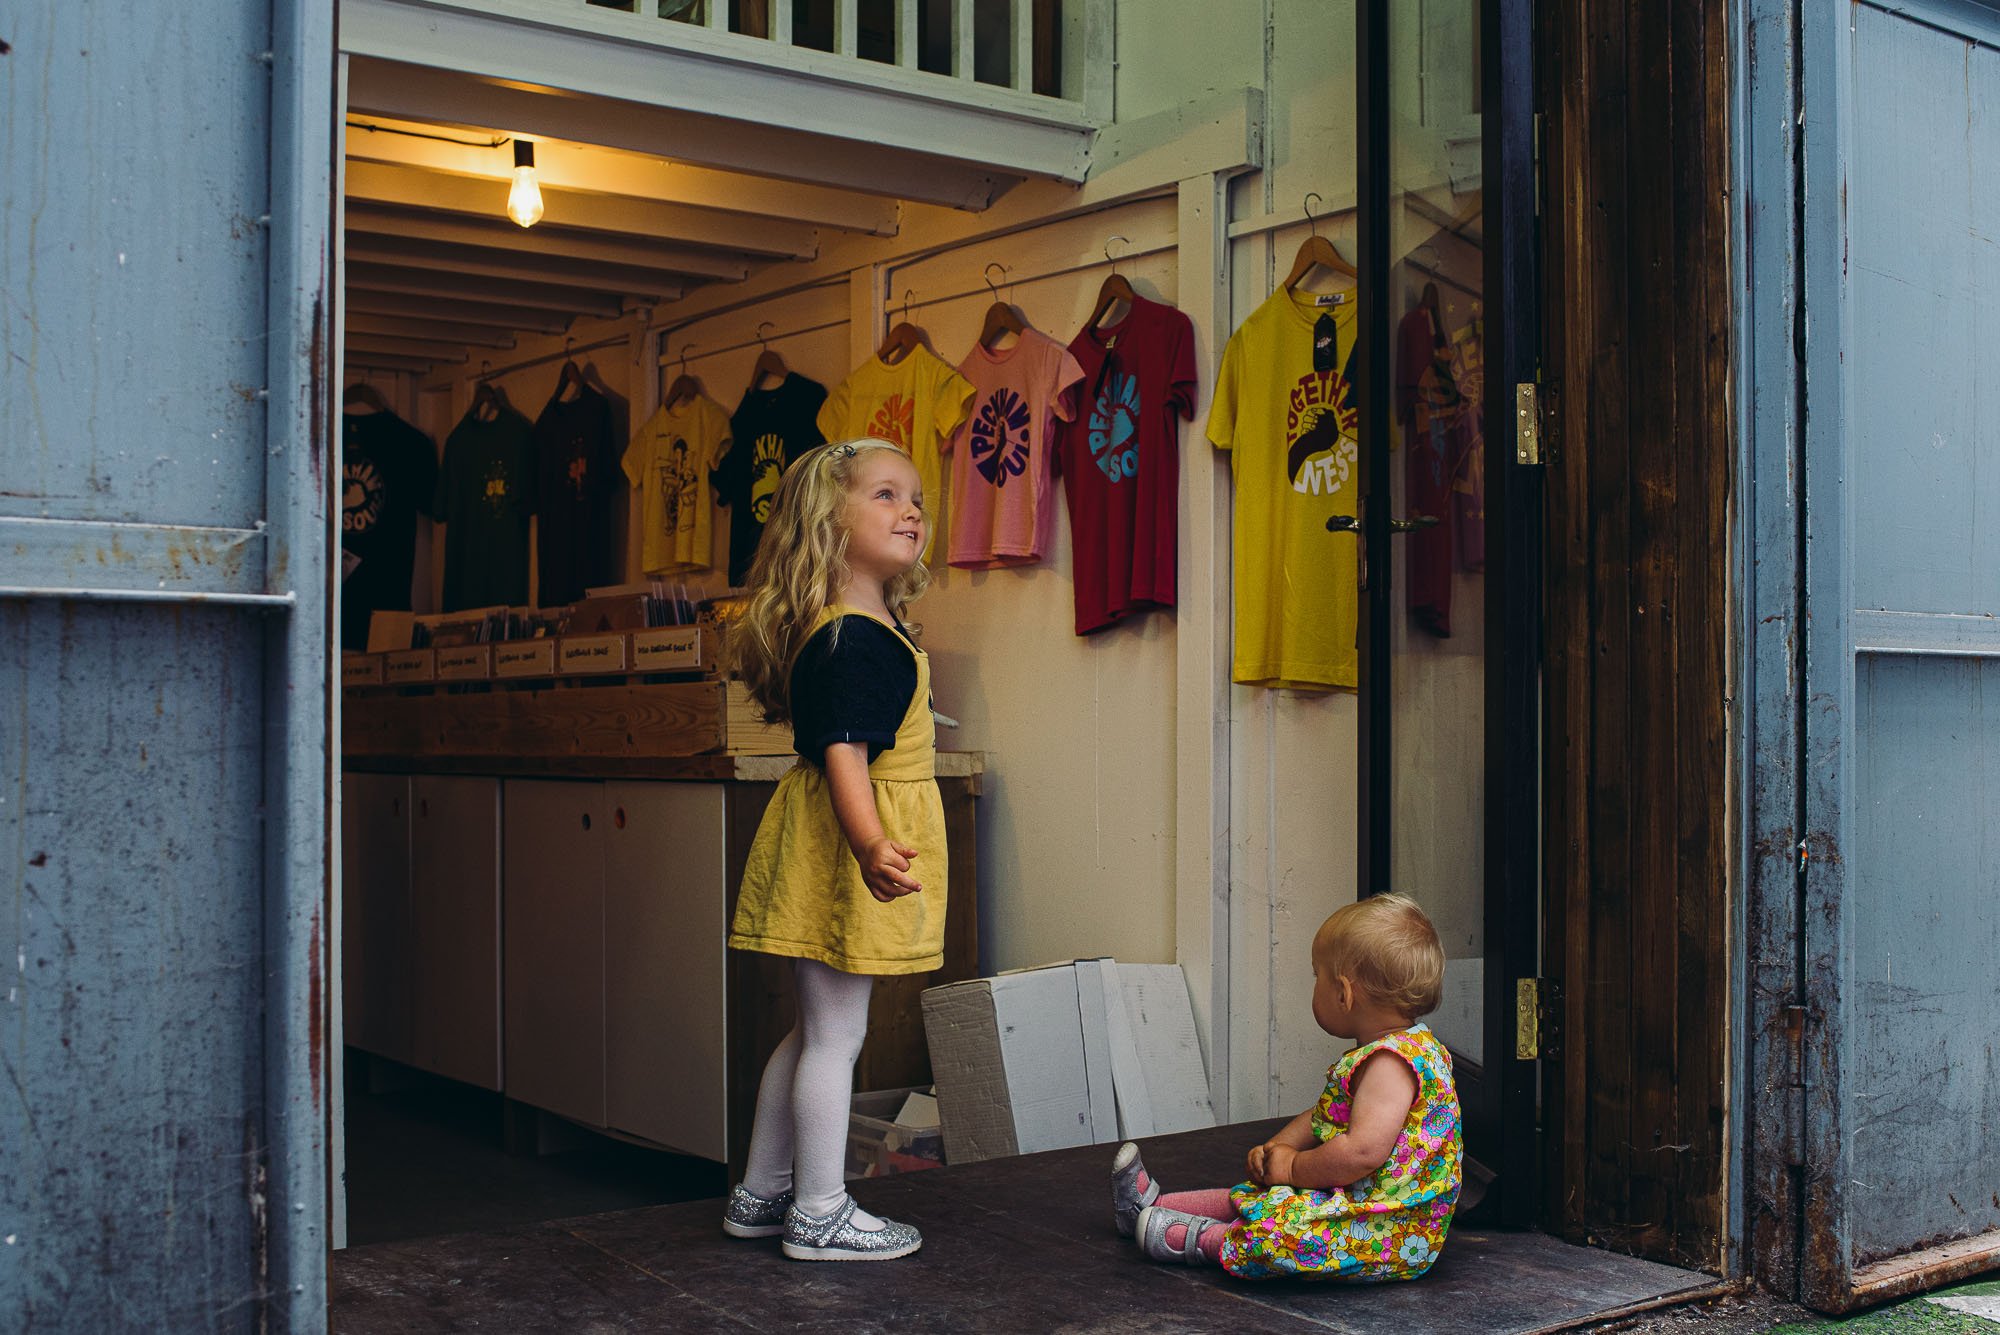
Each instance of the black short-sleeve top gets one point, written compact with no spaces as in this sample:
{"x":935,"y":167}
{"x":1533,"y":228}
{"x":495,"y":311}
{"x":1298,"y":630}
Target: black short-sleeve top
{"x":854,"y":686}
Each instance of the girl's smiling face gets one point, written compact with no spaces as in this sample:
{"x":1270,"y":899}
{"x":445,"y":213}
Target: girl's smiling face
{"x":884,"y":516}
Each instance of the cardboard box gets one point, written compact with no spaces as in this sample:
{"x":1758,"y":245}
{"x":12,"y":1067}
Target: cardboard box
{"x":1015,"y":1072}
{"x":1156,"y":1066}
{"x":893,"y":1131}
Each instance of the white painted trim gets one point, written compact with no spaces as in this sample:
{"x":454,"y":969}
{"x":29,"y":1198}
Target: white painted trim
{"x":411,"y":92}
{"x":908,"y":50}
{"x":963,"y":31}
{"x":781,"y":23}
{"x":1201,"y":641}
{"x":676,"y":66}
{"x":866,"y":292}
{"x":846,"y":28}
{"x":597,"y":171}
{"x":1100,"y":61}
{"x":1021,"y":68}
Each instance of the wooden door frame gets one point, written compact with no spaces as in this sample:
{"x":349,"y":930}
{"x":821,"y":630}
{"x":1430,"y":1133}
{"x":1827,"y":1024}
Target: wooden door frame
{"x":1639,"y":790}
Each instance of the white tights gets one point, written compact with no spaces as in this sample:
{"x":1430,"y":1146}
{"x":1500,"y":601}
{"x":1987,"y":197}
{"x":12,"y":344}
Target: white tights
{"x":799,"y":1140}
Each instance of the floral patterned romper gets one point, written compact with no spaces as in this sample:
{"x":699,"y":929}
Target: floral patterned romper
{"x":1390,"y":1224}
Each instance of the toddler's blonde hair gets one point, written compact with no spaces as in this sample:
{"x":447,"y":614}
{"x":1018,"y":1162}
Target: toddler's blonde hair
{"x":1386,"y":946}
{"x":801,"y":566}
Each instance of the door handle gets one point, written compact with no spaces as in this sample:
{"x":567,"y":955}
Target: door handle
{"x":1351,"y":524}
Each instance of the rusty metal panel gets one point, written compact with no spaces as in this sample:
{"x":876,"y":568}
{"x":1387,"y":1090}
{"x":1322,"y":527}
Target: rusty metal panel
{"x":1873,"y":172}
{"x":165,"y":201}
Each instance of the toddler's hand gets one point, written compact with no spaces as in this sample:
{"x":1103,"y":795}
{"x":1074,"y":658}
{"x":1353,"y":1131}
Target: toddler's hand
{"x":885,"y":866}
{"x":1278,"y":1164}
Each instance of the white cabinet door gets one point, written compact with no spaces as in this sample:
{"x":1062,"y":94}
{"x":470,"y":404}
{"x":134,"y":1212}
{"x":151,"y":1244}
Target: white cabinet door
{"x":375,"y":913}
{"x":553,"y":860}
{"x":455,"y":906}
{"x":663,"y":964}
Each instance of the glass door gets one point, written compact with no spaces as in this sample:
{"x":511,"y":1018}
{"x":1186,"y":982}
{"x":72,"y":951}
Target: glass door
{"x":1450,"y":533}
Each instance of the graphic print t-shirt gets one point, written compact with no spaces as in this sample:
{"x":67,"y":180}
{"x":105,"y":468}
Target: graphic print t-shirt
{"x":1285,"y":410}
{"x":486,"y":491}
{"x":576,"y":482}
{"x":771,"y":429}
{"x":668,"y":463}
{"x":917,"y":404}
{"x":388,"y":470}
{"x":1003,"y":457}
{"x":1121,"y":462}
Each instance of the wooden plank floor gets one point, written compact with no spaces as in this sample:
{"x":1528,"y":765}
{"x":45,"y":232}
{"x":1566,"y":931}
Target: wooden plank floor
{"x":1009,"y":1245}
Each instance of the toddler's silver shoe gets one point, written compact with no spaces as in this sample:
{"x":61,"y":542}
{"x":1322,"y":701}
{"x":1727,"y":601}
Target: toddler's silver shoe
{"x":1155,"y":1220}
{"x":1126,"y":1198}
{"x":748,"y":1215}
{"x":833,"y":1237}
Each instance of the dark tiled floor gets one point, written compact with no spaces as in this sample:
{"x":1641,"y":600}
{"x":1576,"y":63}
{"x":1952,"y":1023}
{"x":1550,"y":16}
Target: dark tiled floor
{"x":1010,"y":1245}
{"x":425,"y":1157}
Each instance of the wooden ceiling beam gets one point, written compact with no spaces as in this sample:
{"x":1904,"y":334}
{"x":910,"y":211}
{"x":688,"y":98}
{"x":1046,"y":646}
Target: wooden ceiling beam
{"x":497,"y":315}
{"x":546,"y":241}
{"x":407,"y":347}
{"x":412,"y":187}
{"x":381,"y":85}
{"x":379,"y":361}
{"x":462,"y":287}
{"x":589,"y":170}
{"x":442,"y":331}
{"x":443,"y":257}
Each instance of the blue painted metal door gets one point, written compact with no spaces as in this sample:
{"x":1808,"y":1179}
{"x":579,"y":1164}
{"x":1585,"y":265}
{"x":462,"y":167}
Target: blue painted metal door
{"x":164,"y":203}
{"x":1875,"y":746}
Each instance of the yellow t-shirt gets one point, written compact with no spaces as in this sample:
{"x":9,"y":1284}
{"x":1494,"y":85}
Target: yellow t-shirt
{"x":917,"y":404}
{"x":1285,"y":409}
{"x":667,"y":464}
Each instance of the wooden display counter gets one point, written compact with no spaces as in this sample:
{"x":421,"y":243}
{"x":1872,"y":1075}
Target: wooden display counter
{"x":552,"y":925}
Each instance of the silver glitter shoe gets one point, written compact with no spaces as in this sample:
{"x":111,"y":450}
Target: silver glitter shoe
{"x":1126,"y":1198}
{"x":748,"y":1215}
{"x":1155,"y":1220}
{"x":833,"y":1237}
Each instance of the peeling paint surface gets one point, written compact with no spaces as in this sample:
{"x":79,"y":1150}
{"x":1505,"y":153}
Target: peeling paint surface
{"x":131,"y":939}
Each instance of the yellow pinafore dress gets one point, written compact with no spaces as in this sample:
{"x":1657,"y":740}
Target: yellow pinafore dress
{"x":803,"y":895}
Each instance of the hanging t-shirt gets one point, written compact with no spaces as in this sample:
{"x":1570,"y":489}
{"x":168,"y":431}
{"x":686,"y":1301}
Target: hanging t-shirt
{"x":1285,"y":410}
{"x":1003,"y":457}
{"x":486,"y":491}
{"x":388,"y":471}
{"x":917,"y":404}
{"x":771,"y":429}
{"x":576,"y":482}
{"x":668,"y":463}
{"x":1121,"y":464}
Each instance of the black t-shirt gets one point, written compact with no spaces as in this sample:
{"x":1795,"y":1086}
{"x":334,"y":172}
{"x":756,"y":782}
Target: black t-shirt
{"x":388,"y":469}
{"x":577,"y":479}
{"x":771,"y":429}
{"x":485,"y":494}
{"x":855,"y":687}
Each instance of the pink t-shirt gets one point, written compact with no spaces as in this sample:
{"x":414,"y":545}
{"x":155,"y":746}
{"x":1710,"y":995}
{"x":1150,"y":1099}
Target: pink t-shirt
{"x":1003,"y":458}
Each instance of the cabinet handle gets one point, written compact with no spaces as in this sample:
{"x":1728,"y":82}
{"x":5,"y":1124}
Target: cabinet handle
{"x":618,"y":818}
{"x":424,"y":807}
{"x":586,"y":820}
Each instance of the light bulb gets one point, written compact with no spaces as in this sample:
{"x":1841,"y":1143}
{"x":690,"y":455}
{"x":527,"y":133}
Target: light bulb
{"x":524,"y":200}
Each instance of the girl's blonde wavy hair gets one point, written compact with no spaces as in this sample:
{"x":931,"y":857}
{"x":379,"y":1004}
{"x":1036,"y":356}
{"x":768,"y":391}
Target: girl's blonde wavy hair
{"x":801,"y":566}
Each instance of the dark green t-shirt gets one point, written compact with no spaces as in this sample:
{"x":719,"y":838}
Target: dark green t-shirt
{"x":486,"y":491}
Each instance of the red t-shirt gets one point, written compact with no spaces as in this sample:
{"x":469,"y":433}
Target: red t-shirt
{"x":1121,"y":465}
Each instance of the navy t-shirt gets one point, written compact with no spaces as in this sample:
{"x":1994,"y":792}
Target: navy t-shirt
{"x":771,"y":429}
{"x":854,"y":687}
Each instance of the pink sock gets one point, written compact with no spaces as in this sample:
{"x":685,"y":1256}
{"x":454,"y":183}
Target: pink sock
{"x":1212,"y":1204}
{"x":1210,"y":1241}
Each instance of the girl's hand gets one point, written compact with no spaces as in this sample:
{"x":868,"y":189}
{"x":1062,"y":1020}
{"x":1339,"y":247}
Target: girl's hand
{"x":885,"y":866}
{"x":1278,"y":1164}
{"x":1257,"y":1154}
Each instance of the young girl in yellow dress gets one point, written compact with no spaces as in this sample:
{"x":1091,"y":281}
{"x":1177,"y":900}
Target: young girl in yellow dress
{"x":1361,"y":1185}
{"x":847,"y":873}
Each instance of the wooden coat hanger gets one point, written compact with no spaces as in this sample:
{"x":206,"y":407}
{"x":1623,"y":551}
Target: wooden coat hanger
{"x":572,"y":374}
{"x":487,"y":400}
{"x":685,"y":388}
{"x":769,"y":363}
{"x":1115,"y":289}
{"x":1316,"y":250}
{"x":903,"y":338}
{"x":1001,"y":318}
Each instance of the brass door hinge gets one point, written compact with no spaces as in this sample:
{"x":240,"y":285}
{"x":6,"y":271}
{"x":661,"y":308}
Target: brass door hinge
{"x":1534,"y":422}
{"x":1537,"y":1019}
